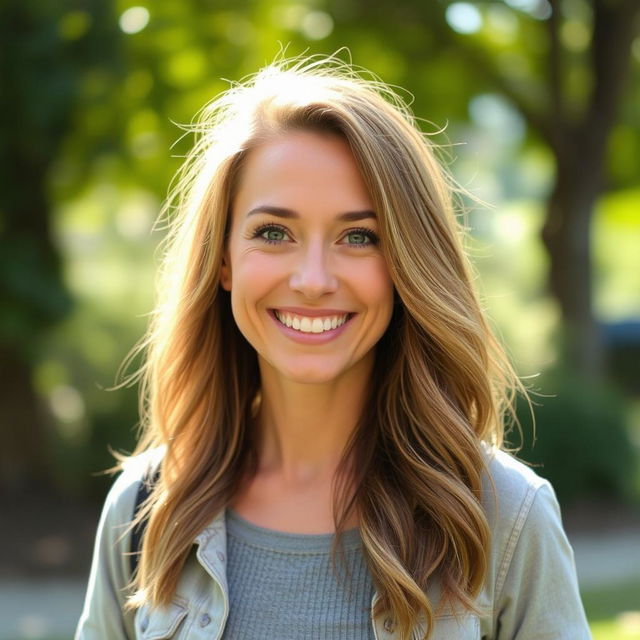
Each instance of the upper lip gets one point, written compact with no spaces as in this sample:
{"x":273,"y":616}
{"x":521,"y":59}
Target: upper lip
{"x":312,"y":313}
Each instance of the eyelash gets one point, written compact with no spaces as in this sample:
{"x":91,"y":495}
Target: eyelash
{"x":373,"y":237}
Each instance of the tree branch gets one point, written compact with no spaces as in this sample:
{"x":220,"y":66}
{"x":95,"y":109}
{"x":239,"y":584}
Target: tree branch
{"x":557,"y":122}
{"x":482,"y":61}
{"x":615,"y":25}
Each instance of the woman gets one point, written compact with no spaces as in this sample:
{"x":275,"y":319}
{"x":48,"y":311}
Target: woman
{"x":323,"y":399}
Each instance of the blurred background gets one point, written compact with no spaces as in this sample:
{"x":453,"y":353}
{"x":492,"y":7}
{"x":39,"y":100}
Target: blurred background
{"x":536,"y":109}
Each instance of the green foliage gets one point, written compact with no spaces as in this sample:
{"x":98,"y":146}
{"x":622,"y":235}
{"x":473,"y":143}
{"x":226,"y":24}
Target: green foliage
{"x":79,"y":361}
{"x":109,"y":270}
{"x":89,"y":108}
{"x":605,"y":602}
{"x":582,"y":444}
{"x":32,"y":295}
{"x":616,"y":238}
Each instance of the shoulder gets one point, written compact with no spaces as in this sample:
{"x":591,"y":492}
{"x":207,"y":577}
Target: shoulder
{"x":104,"y":613}
{"x":512,"y":492}
{"x":518,"y":504}
{"x":508,"y":479}
{"x":121,"y":498}
{"x":137,"y":467}
{"x":531,"y":588}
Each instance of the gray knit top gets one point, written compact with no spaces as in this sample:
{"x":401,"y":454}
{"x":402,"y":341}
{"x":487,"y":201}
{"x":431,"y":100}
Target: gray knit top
{"x":281,"y":585}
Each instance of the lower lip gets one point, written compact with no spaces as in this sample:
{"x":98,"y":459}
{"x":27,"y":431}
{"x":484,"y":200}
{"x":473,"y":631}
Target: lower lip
{"x":310,"y":338}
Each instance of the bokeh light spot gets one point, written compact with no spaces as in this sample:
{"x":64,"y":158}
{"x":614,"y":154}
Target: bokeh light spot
{"x":134,"y":217}
{"x":67,"y":404}
{"x":134,"y":20}
{"x":463,"y":17}
{"x":629,"y":622}
{"x":575,"y":35}
{"x":493,"y":113}
{"x":317,"y":25}
{"x":635,"y":48}
{"x":289,"y":17}
{"x":538,"y":9}
{"x":528,"y":6}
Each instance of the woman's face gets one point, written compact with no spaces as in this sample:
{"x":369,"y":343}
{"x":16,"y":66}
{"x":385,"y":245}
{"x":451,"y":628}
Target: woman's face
{"x":303,"y":251}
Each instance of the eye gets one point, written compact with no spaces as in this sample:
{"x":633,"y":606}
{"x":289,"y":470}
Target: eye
{"x":362,"y":237}
{"x":270,"y":233}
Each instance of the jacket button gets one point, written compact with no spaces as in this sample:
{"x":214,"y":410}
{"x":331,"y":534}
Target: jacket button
{"x":389,"y":625}
{"x":205,"y":619}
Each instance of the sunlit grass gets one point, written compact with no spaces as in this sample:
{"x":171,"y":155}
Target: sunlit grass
{"x":615,"y":629}
{"x":614,"y":612}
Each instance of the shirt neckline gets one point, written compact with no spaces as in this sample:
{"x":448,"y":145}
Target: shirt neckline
{"x":285,"y":541}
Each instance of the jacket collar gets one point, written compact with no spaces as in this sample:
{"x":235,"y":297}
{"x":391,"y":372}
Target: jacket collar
{"x":212,"y":550}
{"x":212,"y":555}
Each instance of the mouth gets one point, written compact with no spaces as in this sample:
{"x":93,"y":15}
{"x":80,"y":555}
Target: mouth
{"x":311,"y":325}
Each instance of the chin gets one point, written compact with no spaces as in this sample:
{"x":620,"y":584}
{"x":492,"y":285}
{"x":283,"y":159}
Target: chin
{"x":310,"y":375}
{"x":311,"y":378}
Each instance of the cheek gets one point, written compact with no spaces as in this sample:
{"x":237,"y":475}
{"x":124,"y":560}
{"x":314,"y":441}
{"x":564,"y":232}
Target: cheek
{"x":375,"y":283}
{"x":255,"y":274}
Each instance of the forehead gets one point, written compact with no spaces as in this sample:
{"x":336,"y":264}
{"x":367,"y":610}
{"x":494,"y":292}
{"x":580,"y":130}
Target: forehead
{"x":302,"y":170}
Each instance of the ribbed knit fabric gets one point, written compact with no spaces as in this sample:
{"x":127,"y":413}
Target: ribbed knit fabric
{"x":282,"y":587}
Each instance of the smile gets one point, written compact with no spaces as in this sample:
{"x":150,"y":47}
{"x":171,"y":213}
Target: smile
{"x":305,"y":324}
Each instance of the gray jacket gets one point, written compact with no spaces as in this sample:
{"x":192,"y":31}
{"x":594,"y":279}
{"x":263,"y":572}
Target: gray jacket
{"x":530,"y":591}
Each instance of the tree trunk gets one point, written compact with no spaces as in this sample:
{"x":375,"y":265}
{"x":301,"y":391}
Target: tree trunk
{"x":23,"y":455}
{"x":32,"y":125}
{"x":580,"y":151}
{"x":566,"y":236}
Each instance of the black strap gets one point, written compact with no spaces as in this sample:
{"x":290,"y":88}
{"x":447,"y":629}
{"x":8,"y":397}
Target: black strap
{"x":144,"y":490}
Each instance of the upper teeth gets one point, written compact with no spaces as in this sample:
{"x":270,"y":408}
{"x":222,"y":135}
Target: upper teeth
{"x":311,"y":325}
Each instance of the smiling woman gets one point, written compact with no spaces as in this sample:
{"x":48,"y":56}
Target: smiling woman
{"x":280,"y":287}
{"x":322,"y":399}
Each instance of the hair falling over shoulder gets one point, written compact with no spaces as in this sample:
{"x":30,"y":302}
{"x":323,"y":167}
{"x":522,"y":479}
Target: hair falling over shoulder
{"x":447,"y":382}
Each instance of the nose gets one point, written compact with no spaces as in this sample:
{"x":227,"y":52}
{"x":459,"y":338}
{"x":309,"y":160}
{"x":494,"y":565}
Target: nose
{"x":312,"y":274}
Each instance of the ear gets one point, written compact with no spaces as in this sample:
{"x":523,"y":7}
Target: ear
{"x":225,"y":272}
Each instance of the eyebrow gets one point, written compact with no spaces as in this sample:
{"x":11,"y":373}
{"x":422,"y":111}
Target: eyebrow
{"x":281,"y":212}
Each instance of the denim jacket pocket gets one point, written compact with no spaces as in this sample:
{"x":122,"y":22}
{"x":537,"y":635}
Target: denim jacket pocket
{"x":159,"y":624}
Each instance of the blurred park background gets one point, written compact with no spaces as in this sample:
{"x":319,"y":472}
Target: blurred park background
{"x":536,"y":108}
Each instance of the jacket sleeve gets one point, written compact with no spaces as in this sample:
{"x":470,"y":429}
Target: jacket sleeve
{"x":103,"y":616}
{"x":539,"y":599}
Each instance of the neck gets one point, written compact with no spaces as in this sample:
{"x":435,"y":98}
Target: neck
{"x":304,"y":428}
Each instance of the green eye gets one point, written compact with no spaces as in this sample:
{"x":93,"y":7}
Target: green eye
{"x":271,"y":235}
{"x":363,"y":237}
{"x":358,"y":238}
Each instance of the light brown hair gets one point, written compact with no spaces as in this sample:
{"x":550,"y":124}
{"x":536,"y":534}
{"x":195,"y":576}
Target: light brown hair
{"x":442,"y":382}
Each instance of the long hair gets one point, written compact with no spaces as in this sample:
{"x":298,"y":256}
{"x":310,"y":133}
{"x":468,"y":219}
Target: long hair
{"x":441,"y":383}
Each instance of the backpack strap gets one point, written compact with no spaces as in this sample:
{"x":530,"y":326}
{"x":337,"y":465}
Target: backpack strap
{"x":137,"y":533}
